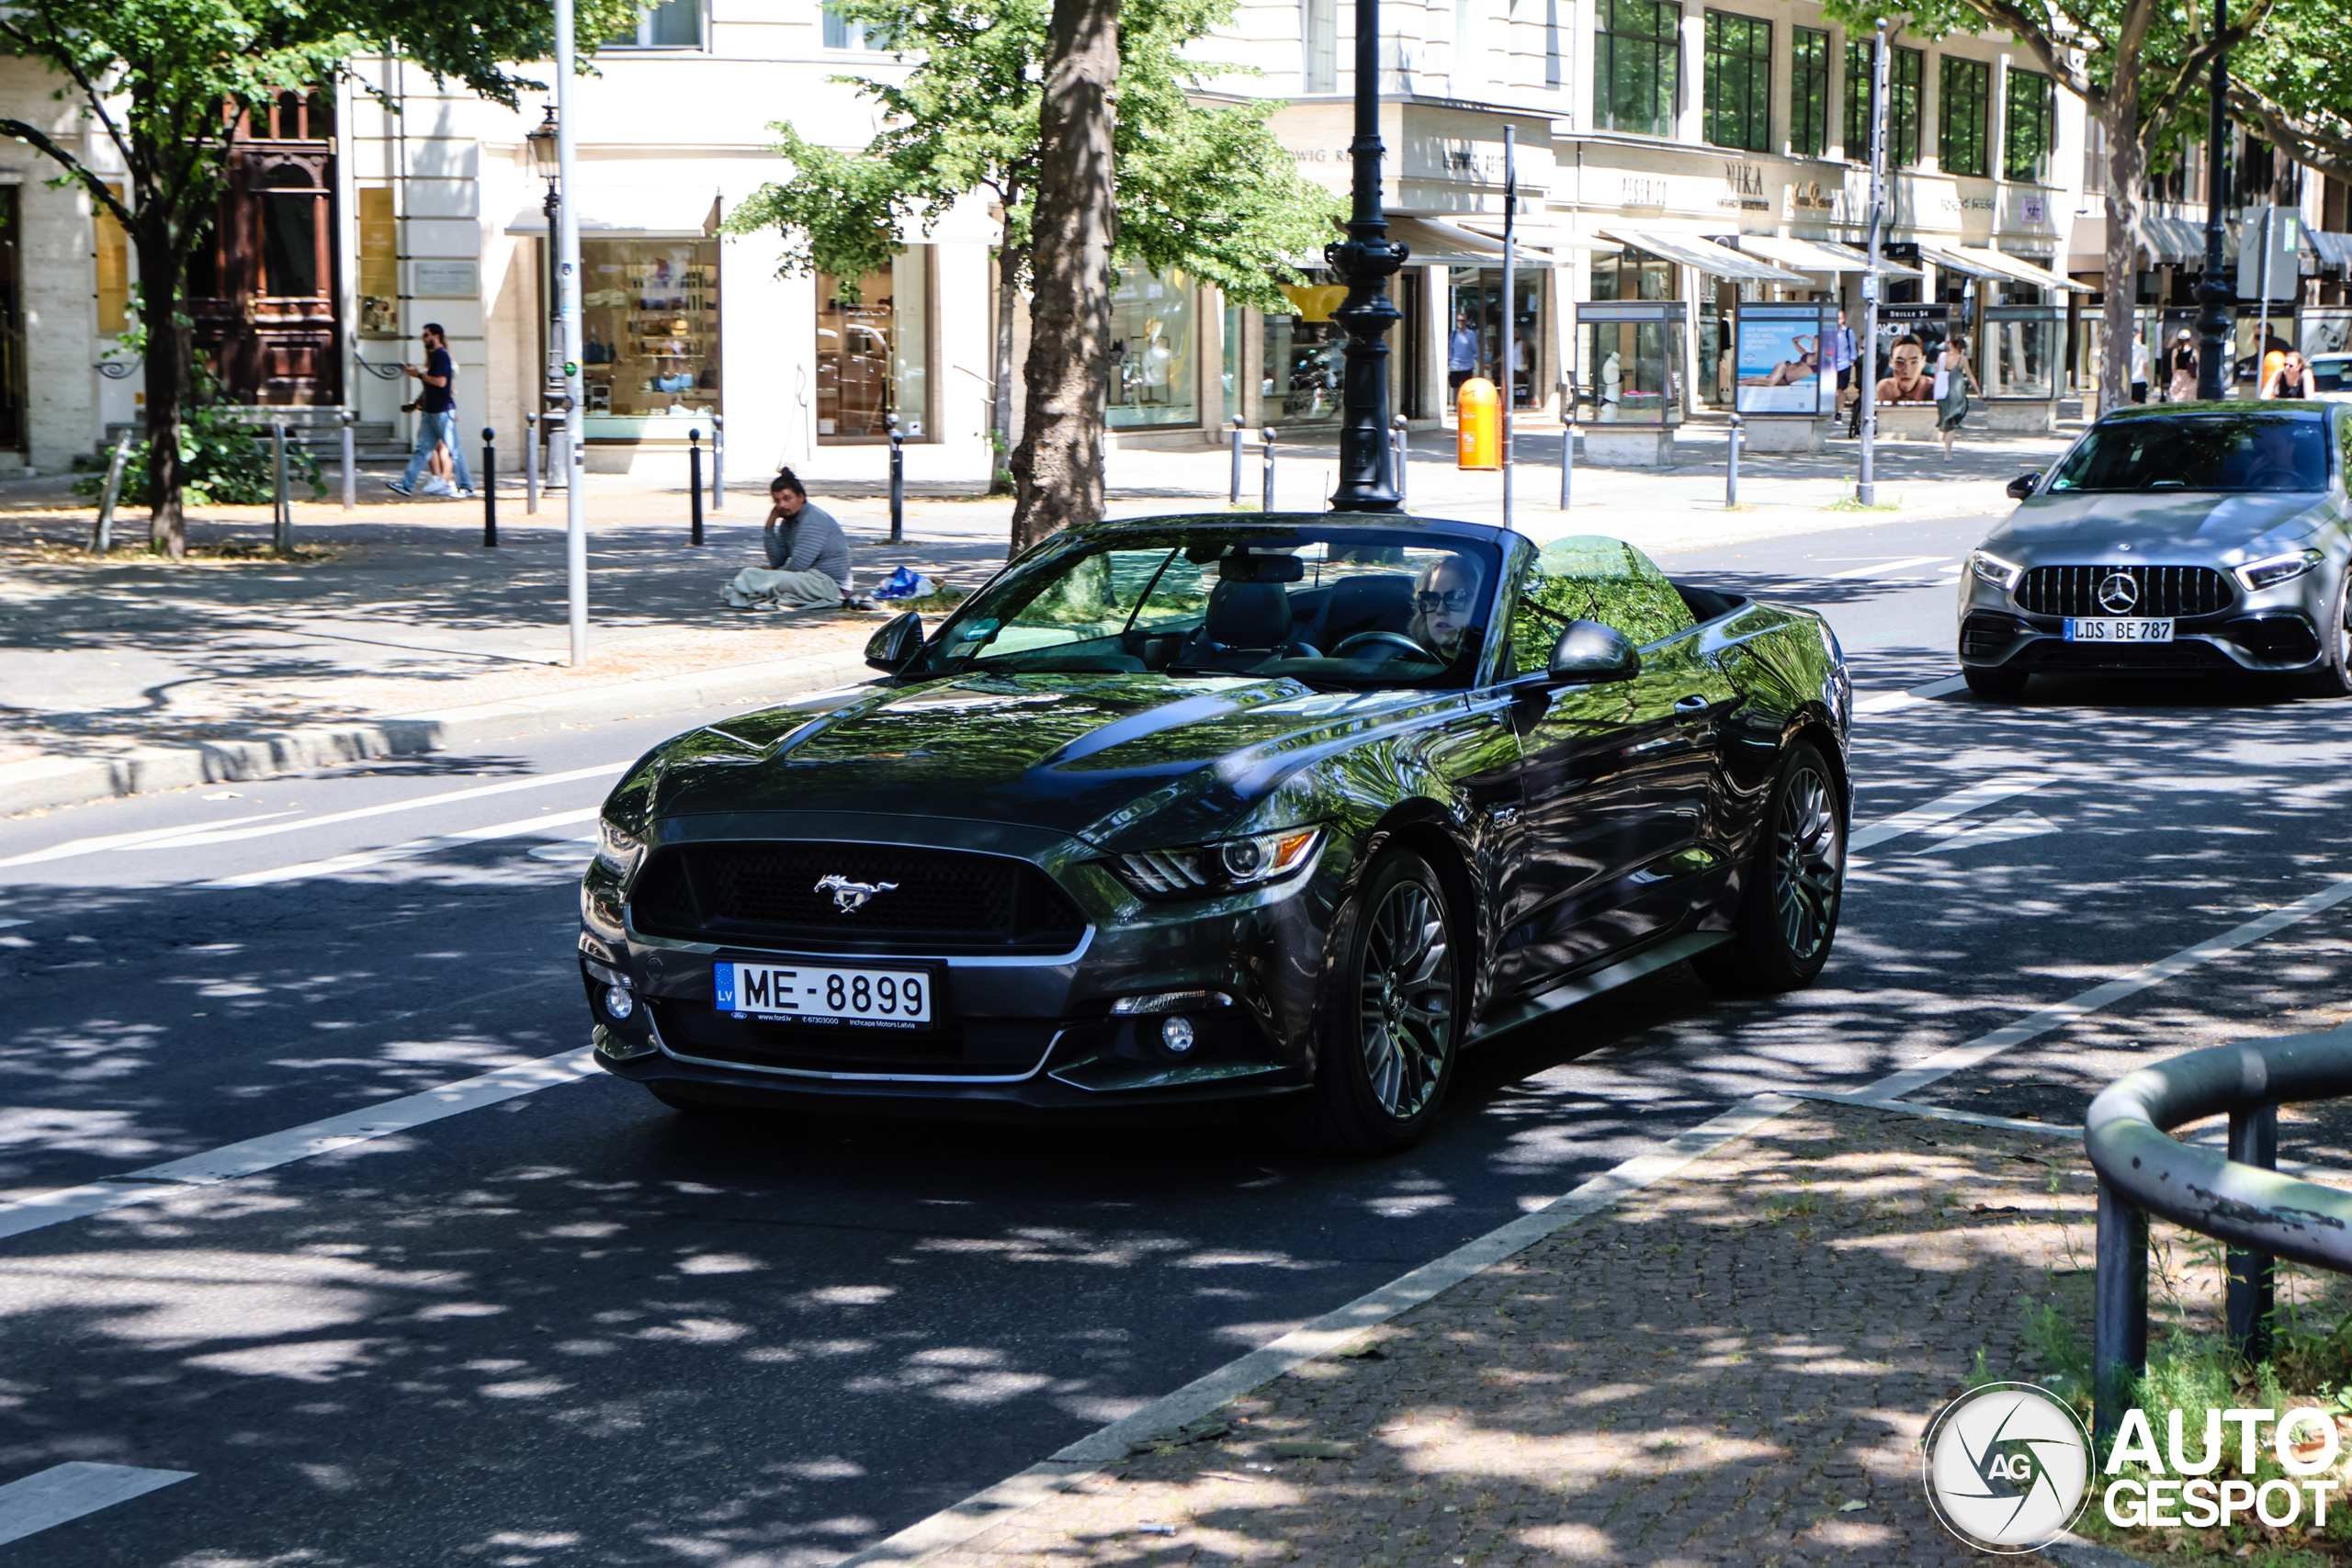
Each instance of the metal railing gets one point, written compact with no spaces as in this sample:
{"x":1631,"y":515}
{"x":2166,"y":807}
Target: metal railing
{"x":2238,"y":1198}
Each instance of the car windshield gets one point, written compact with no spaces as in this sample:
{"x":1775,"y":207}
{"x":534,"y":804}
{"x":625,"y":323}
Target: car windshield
{"x":1338,"y":605}
{"x":2328,"y":375}
{"x":2209,"y":452}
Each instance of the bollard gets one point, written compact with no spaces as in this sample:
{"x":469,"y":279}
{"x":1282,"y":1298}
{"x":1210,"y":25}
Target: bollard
{"x":489,"y":487}
{"x":1266,"y":491}
{"x":350,"y":422}
{"x":1731,"y":470}
{"x":1400,"y":443}
{"x":1239,"y":432}
{"x":898,"y":480}
{"x":718,"y":462}
{"x":282,"y":506}
{"x":1568,"y":456}
{"x":2119,"y":1310}
{"x":693,"y":482}
{"x":530,"y":465}
{"x":2251,"y":1290}
{"x":102,"y":537}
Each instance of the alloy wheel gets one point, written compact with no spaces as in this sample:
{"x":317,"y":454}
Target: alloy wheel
{"x":1805,"y":856}
{"x":1407,"y":1000}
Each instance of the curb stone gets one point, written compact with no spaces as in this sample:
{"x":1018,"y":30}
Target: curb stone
{"x":44,"y":782}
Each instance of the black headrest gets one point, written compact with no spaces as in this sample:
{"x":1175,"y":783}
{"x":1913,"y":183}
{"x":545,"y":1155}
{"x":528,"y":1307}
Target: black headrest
{"x":1262,"y":569}
{"x":1247,"y":615}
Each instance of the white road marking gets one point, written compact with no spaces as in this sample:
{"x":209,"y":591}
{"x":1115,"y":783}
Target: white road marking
{"x":192,"y":836}
{"x":359,"y":859}
{"x":253,"y":1155}
{"x":6,"y":924}
{"x":1884,"y":568}
{"x":2001,"y":830}
{"x":1945,"y":807}
{"x":63,"y":1492}
{"x":1887,"y":701}
{"x":117,"y":841}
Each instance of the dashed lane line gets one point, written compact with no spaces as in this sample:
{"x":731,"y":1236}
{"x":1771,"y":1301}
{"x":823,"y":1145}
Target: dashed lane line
{"x":64,"y":1492}
{"x":1888,"y":702}
{"x":1883,"y":568}
{"x":359,"y":859}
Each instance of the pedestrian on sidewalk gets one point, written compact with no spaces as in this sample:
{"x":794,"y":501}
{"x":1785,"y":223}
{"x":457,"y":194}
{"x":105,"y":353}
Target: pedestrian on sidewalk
{"x":807,"y":558}
{"x":1954,"y":379}
{"x":2184,"y":368}
{"x":1837,"y":354}
{"x":1461,"y":353}
{"x":437,"y":411}
{"x":2140,"y":366}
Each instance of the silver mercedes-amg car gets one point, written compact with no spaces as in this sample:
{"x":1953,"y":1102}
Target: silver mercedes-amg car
{"x":2179,"y":539}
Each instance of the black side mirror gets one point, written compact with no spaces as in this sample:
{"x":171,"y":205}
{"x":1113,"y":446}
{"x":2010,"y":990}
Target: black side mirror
{"x":895,"y":645}
{"x":1590,"y":653}
{"x":2021,"y":486}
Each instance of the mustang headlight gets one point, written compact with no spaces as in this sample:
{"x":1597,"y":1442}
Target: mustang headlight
{"x":1990,"y":568}
{"x":2272,"y":570}
{"x":616,"y":851}
{"x":1223,"y":867}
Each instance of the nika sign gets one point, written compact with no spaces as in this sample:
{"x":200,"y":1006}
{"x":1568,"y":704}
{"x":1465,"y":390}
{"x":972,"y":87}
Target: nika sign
{"x":1744,"y":188}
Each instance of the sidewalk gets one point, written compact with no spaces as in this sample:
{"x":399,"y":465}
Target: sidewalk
{"x":397,"y":631}
{"x":1734,"y":1365}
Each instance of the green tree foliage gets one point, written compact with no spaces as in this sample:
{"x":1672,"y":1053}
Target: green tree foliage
{"x":1202,"y":185}
{"x":2138,"y":65}
{"x":159,"y":83}
{"x":2290,"y":83}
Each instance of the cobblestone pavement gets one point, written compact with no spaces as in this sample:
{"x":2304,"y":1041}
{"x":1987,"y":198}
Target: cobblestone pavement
{"x":1731,"y":1367}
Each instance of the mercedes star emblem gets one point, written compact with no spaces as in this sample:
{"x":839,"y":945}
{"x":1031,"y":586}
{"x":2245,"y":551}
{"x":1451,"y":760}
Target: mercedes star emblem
{"x":2118,"y":593}
{"x":850,"y":896}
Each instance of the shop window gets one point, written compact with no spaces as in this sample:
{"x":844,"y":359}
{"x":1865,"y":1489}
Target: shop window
{"x":1739,"y":82}
{"x":1319,"y":36}
{"x":1476,"y":293}
{"x":112,"y":258}
{"x":1967,"y":100}
{"x":1155,"y":350}
{"x":1301,"y":383}
{"x":673,"y":24}
{"x":1638,"y":69}
{"x":1632,"y":276}
{"x":2032,"y":129}
{"x":1906,"y":71}
{"x":649,"y":330}
{"x":1230,"y":367}
{"x":1809,"y":93}
{"x":874,"y":352}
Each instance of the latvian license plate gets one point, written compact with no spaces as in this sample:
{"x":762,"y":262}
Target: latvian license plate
{"x":2118,"y":629}
{"x":883,"y":998}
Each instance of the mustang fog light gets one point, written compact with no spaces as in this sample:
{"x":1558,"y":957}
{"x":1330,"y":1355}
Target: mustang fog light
{"x":2272,"y":570}
{"x":618,"y":1002}
{"x":1992,"y":569}
{"x":1176,"y":1035}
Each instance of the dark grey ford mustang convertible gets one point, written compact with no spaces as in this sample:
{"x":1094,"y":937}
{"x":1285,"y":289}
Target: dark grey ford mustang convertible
{"x":1198,"y":814}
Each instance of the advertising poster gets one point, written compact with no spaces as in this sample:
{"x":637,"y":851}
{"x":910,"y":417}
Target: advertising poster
{"x":1780,"y":361}
{"x":1910,"y":337}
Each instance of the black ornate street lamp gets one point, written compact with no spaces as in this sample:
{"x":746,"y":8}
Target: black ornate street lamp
{"x":2216,"y":354}
{"x":542,"y":142}
{"x":1365,"y":259}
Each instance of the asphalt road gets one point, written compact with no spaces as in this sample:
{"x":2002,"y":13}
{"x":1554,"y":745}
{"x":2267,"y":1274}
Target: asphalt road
{"x":572,"y":1328}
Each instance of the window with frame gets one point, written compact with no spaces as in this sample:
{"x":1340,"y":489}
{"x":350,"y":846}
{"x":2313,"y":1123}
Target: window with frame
{"x":1638,"y":66}
{"x":848,"y":32}
{"x":1907,"y":70}
{"x":1319,"y":40}
{"x":673,"y":24}
{"x":1967,"y":87}
{"x":2032,"y":130}
{"x":1739,"y":81}
{"x":1808,"y":93}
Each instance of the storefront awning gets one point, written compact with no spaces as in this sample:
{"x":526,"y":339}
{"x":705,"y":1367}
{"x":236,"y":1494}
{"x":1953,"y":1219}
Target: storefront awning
{"x":1535,"y":236}
{"x":633,"y":214}
{"x":1858,"y":261}
{"x":1718,"y":261}
{"x":1803,"y":255}
{"x":2171,"y":241}
{"x":2333,"y":250}
{"x":1992,"y":267}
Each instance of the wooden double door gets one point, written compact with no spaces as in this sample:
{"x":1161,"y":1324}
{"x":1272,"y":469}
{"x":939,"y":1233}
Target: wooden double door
{"x":262,"y":290}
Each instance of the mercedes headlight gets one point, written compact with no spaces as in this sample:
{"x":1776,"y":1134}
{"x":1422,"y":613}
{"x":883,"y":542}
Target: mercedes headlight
{"x":618,"y":851}
{"x":2272,"y":570}
{"x":1990,"y":568}
{"x":1227,"y":866}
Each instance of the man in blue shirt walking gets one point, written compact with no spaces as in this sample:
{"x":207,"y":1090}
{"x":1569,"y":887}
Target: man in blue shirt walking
{"x":1461,"y":353}
{"x":436,"y":408}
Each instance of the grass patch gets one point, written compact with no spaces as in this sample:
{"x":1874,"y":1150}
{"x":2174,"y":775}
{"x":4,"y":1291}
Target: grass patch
{"x":1854,"y":504}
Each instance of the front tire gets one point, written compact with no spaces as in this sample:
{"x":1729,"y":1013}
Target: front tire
{"x":1392,"y":1025}
{"x":2333,"y":676}
{"x":1998,"y":683}
{"x":1796,"y":880}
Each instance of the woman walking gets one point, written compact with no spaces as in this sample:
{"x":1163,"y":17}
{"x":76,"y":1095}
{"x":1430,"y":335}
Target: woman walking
{"x":2183,"y":365}
{"x":2289,"y":380}
{"x":1953,"y":382}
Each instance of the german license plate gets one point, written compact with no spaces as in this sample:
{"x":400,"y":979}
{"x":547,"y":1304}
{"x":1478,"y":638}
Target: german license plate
{"x":882,"y":999}
{"x":2134,"y":629}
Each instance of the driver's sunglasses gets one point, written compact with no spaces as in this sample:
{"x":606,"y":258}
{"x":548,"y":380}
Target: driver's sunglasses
{"x":1451,"y":599}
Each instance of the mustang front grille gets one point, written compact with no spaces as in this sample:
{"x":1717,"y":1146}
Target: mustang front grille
{"x":850,"y":896}
{"x":2167,"y":591}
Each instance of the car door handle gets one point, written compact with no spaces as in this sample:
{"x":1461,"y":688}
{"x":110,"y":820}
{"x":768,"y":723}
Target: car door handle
{"x":1694,"y":703}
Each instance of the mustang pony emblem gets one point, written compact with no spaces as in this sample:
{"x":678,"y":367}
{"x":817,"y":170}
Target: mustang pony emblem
{"x":851,"y":897}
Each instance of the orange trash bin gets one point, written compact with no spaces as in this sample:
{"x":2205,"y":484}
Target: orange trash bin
{"x":1478,"y":435}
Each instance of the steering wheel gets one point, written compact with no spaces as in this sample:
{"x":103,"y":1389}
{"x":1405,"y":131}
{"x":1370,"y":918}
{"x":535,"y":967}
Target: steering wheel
{"x":1397,"y":642}
{"x":2275,"y":475}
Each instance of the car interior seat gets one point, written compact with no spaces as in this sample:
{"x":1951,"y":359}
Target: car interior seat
{"x":1380,"y":602}
{"x":1248,"y":618}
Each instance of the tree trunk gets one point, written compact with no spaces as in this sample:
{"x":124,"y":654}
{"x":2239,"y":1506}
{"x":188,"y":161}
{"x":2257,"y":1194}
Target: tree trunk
{"x":2127,"y":161}
{"x":1011,"y":263}
{"x":1057,"y":468}
{"x":170,"y":348}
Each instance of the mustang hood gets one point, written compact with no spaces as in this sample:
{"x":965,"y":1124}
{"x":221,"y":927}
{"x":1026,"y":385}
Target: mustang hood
{"x":2199,"y":525}
{"x":1061,"y":751}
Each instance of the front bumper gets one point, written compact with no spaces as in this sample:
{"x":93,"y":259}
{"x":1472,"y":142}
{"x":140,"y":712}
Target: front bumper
{"x":2276,"y":630}
{"x":1015,"y":1034}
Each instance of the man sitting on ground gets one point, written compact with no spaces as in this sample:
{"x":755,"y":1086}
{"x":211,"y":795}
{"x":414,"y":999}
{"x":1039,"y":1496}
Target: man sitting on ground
{"x":807,"y":558}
